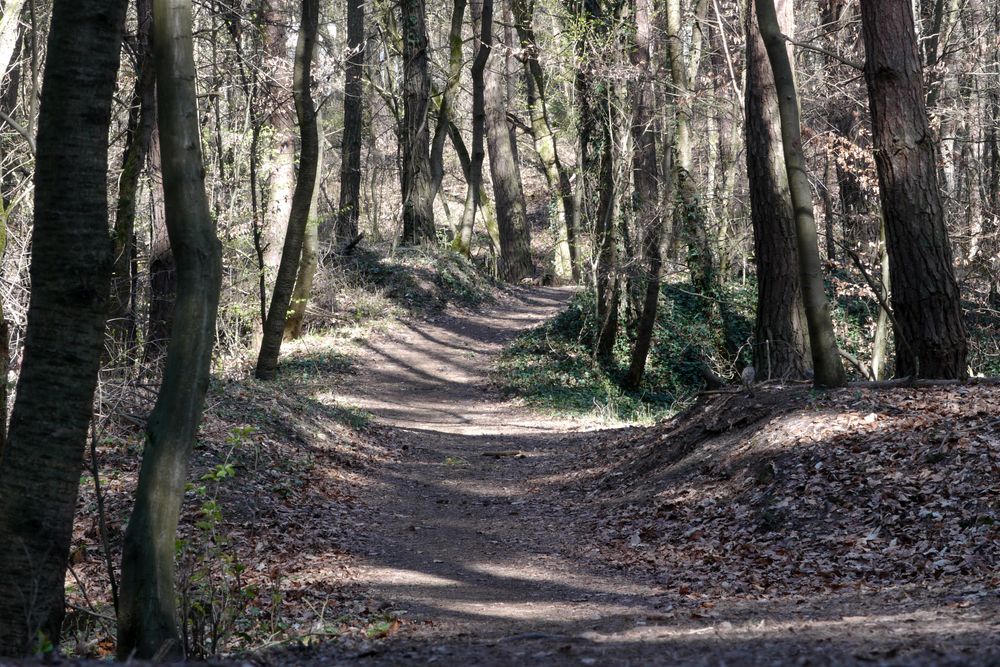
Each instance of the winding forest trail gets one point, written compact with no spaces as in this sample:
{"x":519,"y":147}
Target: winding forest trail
{"x":470,"y":540}
{"x":472,"y":546}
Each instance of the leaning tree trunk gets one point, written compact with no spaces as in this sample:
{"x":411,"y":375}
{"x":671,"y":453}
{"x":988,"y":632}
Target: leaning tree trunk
{"x":141,"y":121}
{"x":515,"y":237}
{"x":350,"y":167}
{"x":781,"y":333}
{"x":305,"y":108}
{"x":482,"y":22}
{"x":418,"y":191}
{"x":931,"y":340}
{"x":644,"y":175}
{"x":556,"y":176}
{"x":310,"y":249}
{"x":71,"y":268}
{"x":828,"y":369}
{"x":147,"y":617}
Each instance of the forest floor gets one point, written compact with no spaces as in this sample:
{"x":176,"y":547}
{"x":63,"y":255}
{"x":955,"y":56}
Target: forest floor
{"x":496,"y":535}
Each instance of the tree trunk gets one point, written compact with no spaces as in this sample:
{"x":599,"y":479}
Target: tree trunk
{"x":556,"y":176}
{"x":827,"y":367}
{"x":782,"y":342}
{"x":147,"y":618}
{"x":310,"y":249}
{"x":305,"y":108}
{"x":644,"y":176}
{"x":689,"y":217}
{"x":162,"y":268}
{"x":925,"y":295}
{"x":482,"y":22}
{"x":350,"y":167}
{"x":606,"y":238}
{"x":276,"y":15}
{"x":71,"y":269}
{"x":512,"y":220}
{"x":141,"y":122}
{"x":418,"y":195}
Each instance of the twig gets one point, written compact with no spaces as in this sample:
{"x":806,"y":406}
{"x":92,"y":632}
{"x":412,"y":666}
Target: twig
{"x":809,"y":47}
{"x":102,"y":517}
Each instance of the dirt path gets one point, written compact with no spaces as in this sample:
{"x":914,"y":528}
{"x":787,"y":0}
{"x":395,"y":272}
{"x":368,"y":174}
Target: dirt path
{"x":470,"y":545}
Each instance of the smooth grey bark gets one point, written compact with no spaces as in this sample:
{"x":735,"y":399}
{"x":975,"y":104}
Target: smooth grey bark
{"x":418,"y":191}
{"x":147,"y":617}
{"x":931,"y":338}
{"x":781,"y":334}
{"x":305,"y":108}
{"x":515,"y":261}
{"x":827,"y":366}
{"x":71,"y":269}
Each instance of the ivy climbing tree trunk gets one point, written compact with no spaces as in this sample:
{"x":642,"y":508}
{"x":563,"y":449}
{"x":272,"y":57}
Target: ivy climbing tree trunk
{"x":827,"y":367}
{"x":71,"y":269}
{"x":644,"y":176}
{"x":781,"y":335}
{"x":305,"y":108}
{"x":147,"y":617}
{"x":925,"y":295}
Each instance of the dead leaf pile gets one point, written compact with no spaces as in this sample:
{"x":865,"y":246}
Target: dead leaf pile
{"x":790,"y":493}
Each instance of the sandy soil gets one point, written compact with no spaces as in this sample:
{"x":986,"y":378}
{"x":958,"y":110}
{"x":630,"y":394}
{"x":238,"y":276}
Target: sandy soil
{"x":471,"y":544}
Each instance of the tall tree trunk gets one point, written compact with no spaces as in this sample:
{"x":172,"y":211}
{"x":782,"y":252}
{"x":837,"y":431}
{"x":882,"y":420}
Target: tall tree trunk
{"x":482,"y":22}
{"x":141,"y":122}
{"x":310,"y":249}
{"x":350,"y":165}
{"x":644,"y":176}
{"x":781,"y":333}
{"x":556,"y":176}
{"x":276,"y":15}
{"x":512,"y":220}
{"x":147,"y":618}
{"x":689,"y":216}
{"x":925,"y":295}
{"x":305,"y":108}
{"x":71,"y":269}
{"x":418,"y":195}
{"x":827,"y":367}
{"x":605,"y":236}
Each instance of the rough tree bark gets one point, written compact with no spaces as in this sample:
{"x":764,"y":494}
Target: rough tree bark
{"x":147,"y":618}
{"x":781,"y":334}
{"x":931,"y":339}
{"x":70,"y":276}
{"x":827,"y":366}
{"x":418,"y":194}
{"x":305,"y":108}
{"x":512,"y":220}
{"x":346,"y":228}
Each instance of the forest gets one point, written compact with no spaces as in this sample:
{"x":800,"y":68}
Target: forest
{"x":500,"y":332}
